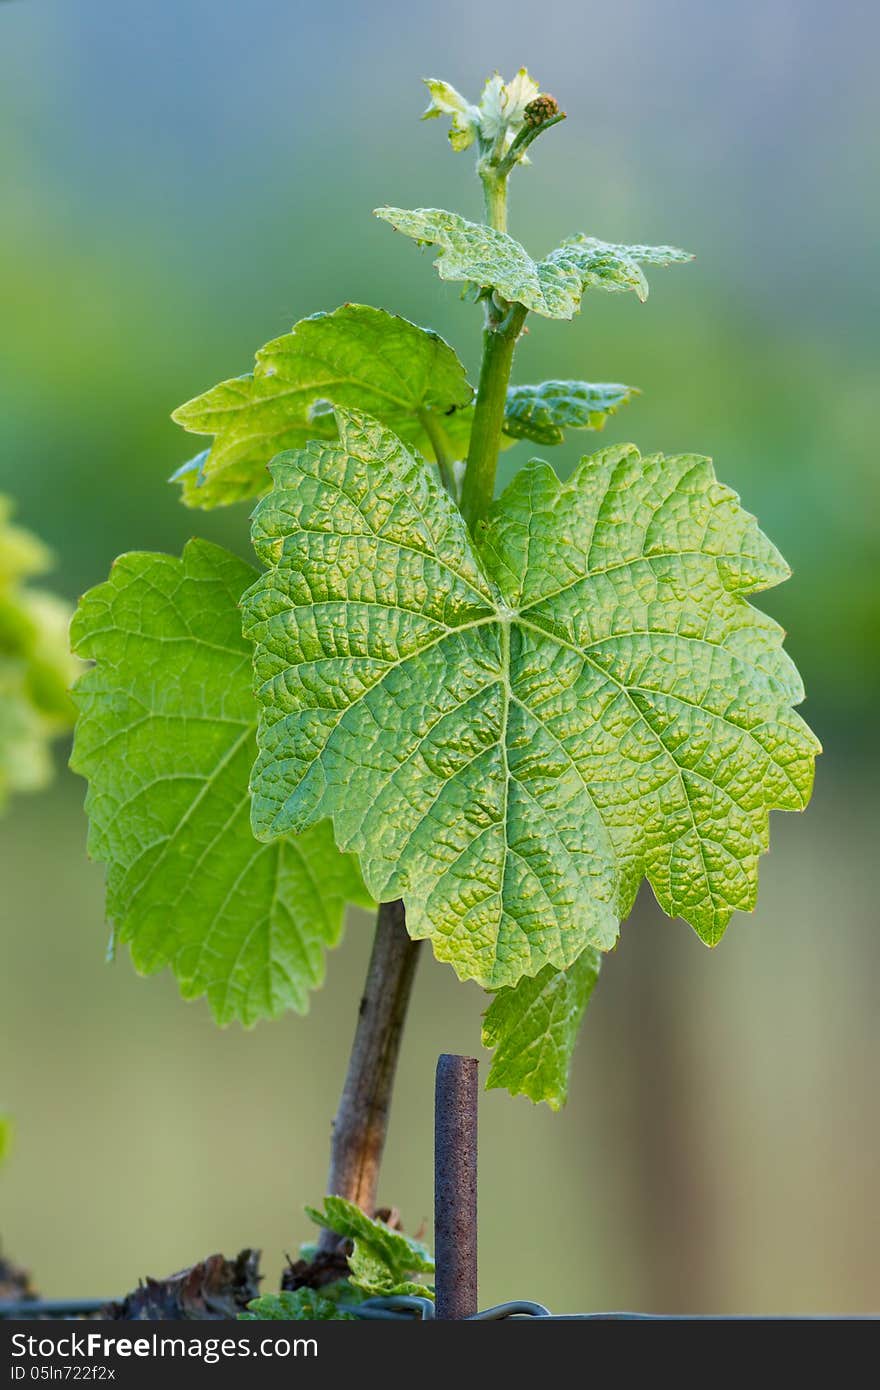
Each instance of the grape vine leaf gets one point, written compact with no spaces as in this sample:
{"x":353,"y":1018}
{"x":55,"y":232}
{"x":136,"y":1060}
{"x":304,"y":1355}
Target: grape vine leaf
{"x":298,"y":1305}
{"x":552,"y":287}
{"x":357,"y":356}
{"x":36,"y":668}
{"x":543,"y":413}
{"x":166,"y":736}
{"x":382,"y":1260}
{"x":511,"y":732}
{"x":533,"y":1028}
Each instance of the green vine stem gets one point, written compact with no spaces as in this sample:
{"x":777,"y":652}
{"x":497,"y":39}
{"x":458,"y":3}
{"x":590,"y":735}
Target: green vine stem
{"x":362,"y":1119}
{"x":523,"y":139}
{"x":499,"y":344}
{"x":495,"y":197}
{"x":504,"y":323}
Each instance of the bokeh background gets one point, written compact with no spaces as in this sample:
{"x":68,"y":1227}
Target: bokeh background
{"x":180,"y":182}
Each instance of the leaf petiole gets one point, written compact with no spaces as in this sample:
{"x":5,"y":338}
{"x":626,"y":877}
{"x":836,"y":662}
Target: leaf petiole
{"x":443,"y":453}
{"x":499,"y":345}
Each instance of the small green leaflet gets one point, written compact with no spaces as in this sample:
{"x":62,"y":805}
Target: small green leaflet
{"x":5,"y":1137}
{"x":604,"y":265}
{"x":543,"y":413}
{"x":357,"y":357}
{"x":36,"y":668}
{"x":553,"y":287}
{"x":512,"y":733}
{"x":382,"y":1261}
{"x":166,"y":736}
{"x":446,"y":101}
{"x":302,"y":1305}
{"x":533,"y":1028}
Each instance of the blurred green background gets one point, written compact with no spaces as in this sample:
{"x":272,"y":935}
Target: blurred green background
{"x":180,"y":182}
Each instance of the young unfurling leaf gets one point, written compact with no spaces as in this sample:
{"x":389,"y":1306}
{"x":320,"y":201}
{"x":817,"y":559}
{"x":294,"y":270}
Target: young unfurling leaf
{"x":166,"y":736}
{"x":511,"y":732}
{"x":382,"y":1261}
{"x":501,"y":113}
{"x":543,"y":413}
{"x":300,"y":1305}
{"x":446,"y":101}
{"x":357,"y":357}
{"x":552,"y":287}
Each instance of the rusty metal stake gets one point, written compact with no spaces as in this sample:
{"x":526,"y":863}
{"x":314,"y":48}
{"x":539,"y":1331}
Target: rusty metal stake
{"x":455,"y":1186}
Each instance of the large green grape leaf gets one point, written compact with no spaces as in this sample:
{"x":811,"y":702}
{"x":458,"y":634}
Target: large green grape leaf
{"x":166,"y":736}
{"x":554,"y":286}
{"x":382,"y":1260}
{"x":356,"y":356}
{"x":512,"y":732}
{"x":36,"y":668}
{"x":533,"y":1028}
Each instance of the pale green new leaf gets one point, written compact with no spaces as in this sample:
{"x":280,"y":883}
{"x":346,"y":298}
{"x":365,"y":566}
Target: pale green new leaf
{"x":382,"y":1261}
{"x":503,"y":105}
{"x":500,"y":114}
{"x":166,"y":736}
{"x":357,"y":356}
{"x":446,"y":101}
{"x":553,"y":287}
{"x":511,"y":737}
{"x":300,"y":1305}
{"x":533,"y":1028}
{"x":543,"y":413}
{"x":604,"y":265}
{"x":36,"y":668}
